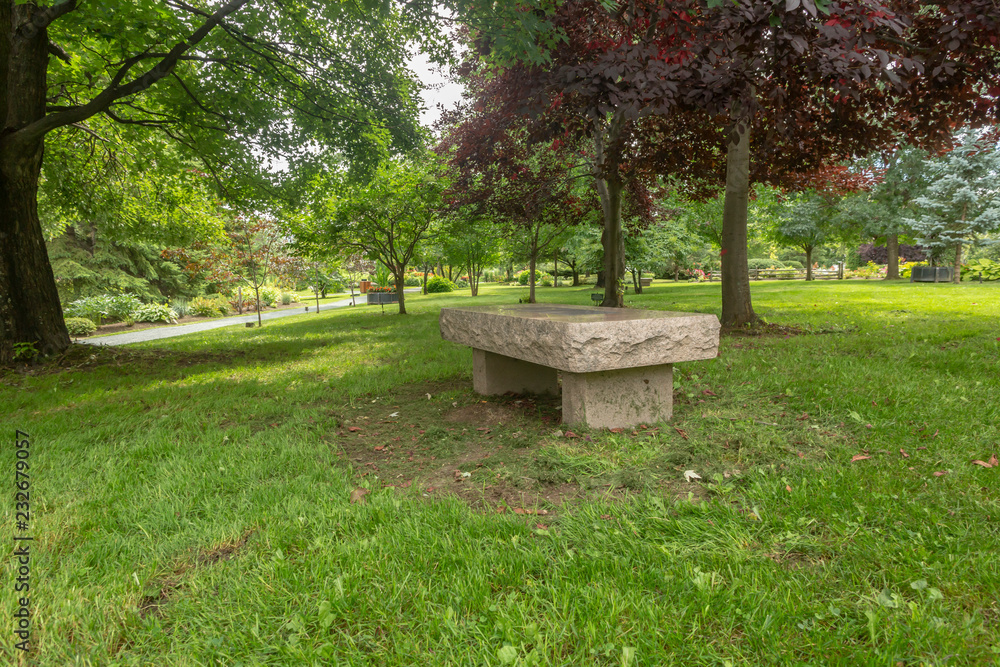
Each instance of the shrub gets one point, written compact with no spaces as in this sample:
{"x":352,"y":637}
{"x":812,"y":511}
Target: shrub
{"x":522,"y":277}
{"x":180,"y":306}
{"x":989,"y":269}
{"x":546,"y":281}
{"x":412,"y":281}
{"x":154,"y":312}
{"x":121,"y":306}
{"x":793,"y":264}
{"x":207,"y":306}
{"x":878,"y":254}
{"x":93,"y":308}
{"x":764,"y":263}
{"x":906,"y":268}
{"x":461,"y":283}
{"x":286,"y":299}
{"x":439,"y":284}
{"x":269,"y":295}
{"x":80,"y":326}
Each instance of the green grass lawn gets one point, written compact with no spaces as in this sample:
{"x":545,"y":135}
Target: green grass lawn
{"x":191,"y":497}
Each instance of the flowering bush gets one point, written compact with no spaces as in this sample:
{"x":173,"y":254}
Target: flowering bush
{"x":870,"y":270}
{"x":385,"y":290}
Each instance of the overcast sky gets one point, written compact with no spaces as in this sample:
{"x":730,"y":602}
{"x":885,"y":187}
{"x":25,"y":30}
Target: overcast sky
{"x":440,"y":91}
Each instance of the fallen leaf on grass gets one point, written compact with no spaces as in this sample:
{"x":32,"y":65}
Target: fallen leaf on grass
{"x":691,"y":474}
{"x":788,"y":488}
{"x":681,"y":432}
{"x":521,"y":510}
{"x":353,"y":429}
{"x":379,"y":448}
{"x":615,"y":430}
{"x":859,"y":457}
{"x":570,"y":434}
{"x":940,"y":473}
{"x":708,"y":392}
{"x":358,"y":495}
{"x":905,"y":455}
{"x":992,"y":463}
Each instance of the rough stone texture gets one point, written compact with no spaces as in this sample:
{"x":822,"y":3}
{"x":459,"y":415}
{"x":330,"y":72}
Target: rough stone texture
{"x":616,"y":399}
{"x":494,"y":374}
{"x":583,"y":339}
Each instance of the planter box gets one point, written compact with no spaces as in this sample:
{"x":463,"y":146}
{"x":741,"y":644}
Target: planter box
{"x":931,"y":274}
{"x":382,"y":297}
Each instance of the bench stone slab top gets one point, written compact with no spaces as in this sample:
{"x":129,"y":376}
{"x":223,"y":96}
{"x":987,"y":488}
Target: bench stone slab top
{"x":583,"y":339}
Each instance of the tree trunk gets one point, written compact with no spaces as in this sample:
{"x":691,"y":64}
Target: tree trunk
{"x":600,"y":280}
{"x":576,"y":274}
{"x":957,"y":273}
{"x":256,"y":291}
{"x":475,"y":273}
{"x":636,"y":283}
{"x":427,"y":269}
{"x":892,"y":247}
{"x":737,"y":309}
{"x":555,"y":269}
{"x":609,"y":188}
{"x":30,"y":312}
{"x":531,"y":276}
{"x":613,"y":241}
{"x":400,"y":274}
{"x":809,"y":262}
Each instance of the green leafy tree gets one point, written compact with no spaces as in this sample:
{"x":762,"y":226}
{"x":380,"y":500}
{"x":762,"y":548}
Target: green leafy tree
{"x":962,"y":201}
{"x":227,"y":81}
{"x":389,"y":216}
{"x":810,"y":220}
{"x":472,"y":242}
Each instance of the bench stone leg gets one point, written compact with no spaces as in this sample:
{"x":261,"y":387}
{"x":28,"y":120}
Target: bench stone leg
{"x":496,"y":374}
{"x":619,"y":398}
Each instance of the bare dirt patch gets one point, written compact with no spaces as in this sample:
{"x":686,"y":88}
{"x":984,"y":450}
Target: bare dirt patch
{"x":495,"y":453}
{"x":484,"y":413}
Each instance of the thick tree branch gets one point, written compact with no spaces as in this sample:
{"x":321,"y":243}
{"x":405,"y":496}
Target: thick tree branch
{"x":44,"y":17}
{"x":35,"y":131}
{"x":59,"y":52}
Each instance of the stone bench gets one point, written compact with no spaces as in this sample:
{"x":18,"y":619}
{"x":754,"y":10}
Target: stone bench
{"x":616,"y":363}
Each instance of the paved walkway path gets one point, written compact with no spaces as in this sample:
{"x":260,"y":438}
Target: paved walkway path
{"x":180,"y":330}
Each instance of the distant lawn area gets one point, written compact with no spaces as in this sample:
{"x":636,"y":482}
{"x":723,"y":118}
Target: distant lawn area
{"x":201,"y":500}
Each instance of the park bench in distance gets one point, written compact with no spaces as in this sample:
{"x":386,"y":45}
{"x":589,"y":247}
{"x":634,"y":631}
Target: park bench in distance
{"x":616,"y":363}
